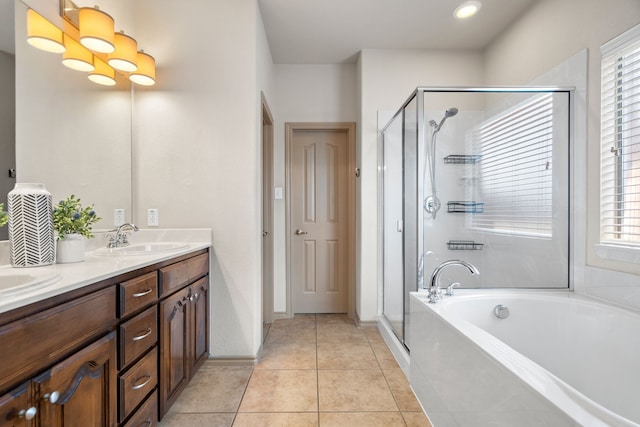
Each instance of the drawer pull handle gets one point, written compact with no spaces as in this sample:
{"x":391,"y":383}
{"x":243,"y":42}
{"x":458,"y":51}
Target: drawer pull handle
{"x":145,"y":423}
{"x":28,"y":414}
{"x":143,"y":335}
{"x":142,"y":384}
{"x":143,"y":293}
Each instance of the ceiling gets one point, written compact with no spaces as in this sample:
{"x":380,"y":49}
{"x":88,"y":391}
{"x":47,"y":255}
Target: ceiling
{"x":334,"y":31}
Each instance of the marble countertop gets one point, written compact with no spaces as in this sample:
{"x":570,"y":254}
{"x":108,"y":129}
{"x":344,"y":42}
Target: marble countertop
{"x":97,"y":267}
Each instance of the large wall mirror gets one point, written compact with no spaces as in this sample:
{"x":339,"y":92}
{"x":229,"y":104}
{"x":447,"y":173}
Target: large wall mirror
{"x":7,"y":103}
{"x":70,"y":134}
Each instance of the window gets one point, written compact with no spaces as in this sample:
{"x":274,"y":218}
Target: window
{"x":620,"y":141}
{"x":515,"y":177}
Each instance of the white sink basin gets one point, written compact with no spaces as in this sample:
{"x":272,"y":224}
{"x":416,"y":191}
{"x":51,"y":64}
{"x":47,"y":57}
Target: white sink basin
{"x":142,"y":248}
{"x":13,"y":281}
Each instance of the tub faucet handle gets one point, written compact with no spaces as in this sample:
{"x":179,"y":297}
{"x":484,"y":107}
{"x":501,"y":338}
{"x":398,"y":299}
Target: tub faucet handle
{"x":449,"y":291}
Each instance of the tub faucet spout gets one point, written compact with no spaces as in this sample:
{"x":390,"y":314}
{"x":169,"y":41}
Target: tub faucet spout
{"x":435,"y":293}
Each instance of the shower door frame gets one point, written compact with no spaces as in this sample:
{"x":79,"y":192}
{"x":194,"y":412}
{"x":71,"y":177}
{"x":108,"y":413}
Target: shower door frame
{"x":418,"y":95}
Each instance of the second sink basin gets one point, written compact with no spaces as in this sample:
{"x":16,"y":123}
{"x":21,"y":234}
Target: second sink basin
{"x":13,"y":281}
{"x":142,"y":248}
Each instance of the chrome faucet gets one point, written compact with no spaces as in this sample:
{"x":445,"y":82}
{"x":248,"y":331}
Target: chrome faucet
{"x":121,"y":238}
{"x":435,"y":292}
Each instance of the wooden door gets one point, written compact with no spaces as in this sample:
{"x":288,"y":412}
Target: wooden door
{"x":174,"y":347}
{"x":200,"y":324}
{"x":319,"y":222}
{"x":81,"y":390}
{"x":16,"y":408}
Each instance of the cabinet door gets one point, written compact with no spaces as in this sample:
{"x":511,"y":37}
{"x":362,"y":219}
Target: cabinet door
{"x":174,"y":347}
{"x":200,"y":318}
{"x":16,"y":409}
{"x":81,"y":390}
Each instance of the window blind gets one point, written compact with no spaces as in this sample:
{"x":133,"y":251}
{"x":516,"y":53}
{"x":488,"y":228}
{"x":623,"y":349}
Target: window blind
{"x":620,"y":141}
{"x":515,"y":178}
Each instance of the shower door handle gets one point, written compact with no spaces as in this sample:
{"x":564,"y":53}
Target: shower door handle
{"x":300,"y":232}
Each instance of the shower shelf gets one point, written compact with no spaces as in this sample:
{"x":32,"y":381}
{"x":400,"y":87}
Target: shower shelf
{"x":465,"y":207}
{"x":464,"y":245}
{"x":462,"y":159}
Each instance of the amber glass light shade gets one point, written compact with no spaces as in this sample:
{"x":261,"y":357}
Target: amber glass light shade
{"x":103,"y":74}
{"x":145,"y":75}
{"x":43,"y":34}
{"x":96,"y":30}
{"x":125,"y":56}
{"x":77,"y":57}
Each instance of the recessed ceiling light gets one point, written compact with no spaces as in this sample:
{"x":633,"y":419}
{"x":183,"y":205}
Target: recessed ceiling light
{"x":467,"y":9}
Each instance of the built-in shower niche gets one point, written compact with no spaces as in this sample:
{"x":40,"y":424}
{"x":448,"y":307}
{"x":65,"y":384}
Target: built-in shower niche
{"x":490,"y":170}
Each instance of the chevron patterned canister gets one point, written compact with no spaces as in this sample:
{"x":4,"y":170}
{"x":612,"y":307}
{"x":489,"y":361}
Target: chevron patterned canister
{"x":31,"y":242}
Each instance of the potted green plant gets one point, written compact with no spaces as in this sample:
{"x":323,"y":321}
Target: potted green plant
{"x":72,"y":224}
{"x":4,"y":216}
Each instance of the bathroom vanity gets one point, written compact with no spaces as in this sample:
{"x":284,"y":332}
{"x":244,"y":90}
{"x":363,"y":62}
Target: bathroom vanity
{"x":112,"y":352}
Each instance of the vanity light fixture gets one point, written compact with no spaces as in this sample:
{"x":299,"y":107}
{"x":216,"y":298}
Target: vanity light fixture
{"x":96,"y":30}
{"x":77,"y":57}
{"x":103,"y":74}
{"x":126,"y":54}
{"x":145,"y":75}
{"x":43,"y":34}
{"x":467,"y":9}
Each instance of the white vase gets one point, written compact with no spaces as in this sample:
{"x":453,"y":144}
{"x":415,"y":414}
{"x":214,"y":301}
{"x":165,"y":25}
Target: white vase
{"x":31,"y":241}
{"x":70,"y":249}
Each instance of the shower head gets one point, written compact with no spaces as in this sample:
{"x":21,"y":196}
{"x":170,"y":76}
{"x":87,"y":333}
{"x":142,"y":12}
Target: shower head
{"x":449,"y":113}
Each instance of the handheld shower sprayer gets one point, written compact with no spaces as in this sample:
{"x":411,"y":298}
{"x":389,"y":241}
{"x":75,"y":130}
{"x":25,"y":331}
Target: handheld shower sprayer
{"x":449,"y":113}
{"x":431,"y":202}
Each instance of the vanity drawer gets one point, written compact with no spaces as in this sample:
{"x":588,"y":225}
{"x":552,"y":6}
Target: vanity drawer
{"x":137,"y":383}
{"x":147,"y":415}
{"x":138,"y":335}
{"x":138,"y":293}
{"x":197,"y":266}
{"x":175,"y":276}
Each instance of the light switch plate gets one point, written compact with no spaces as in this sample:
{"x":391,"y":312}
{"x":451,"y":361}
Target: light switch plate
{"x":278,"y":193}
{"x":118,"y":217}
{"x":153,"y":217}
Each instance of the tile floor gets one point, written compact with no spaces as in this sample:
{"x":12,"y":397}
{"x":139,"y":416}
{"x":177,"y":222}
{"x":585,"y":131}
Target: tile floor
{"x":315,"y":370}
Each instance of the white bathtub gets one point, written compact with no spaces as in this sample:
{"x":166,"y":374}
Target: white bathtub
{"x":559,"y":359}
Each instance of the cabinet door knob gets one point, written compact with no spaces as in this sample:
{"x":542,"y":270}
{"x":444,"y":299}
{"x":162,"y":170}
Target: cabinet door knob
{"x":28,"y":414}
{"x":51,"y":397}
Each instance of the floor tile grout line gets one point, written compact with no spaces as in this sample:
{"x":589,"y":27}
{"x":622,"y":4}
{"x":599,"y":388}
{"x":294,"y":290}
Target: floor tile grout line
{"x":317,"y":376}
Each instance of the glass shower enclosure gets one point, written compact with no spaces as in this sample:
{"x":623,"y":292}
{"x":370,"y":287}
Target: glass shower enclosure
{"x":476,"y":174}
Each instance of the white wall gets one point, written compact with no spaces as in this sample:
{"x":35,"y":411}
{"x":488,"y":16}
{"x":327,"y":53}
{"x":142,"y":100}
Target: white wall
{"x":548,"y":34}
{"x":305,"y":93}
{"x":387,"y":78}
{"x":196,"y":155}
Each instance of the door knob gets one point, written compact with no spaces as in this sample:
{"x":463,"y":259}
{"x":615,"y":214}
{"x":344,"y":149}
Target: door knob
{"x":265,"y":233}
{"x":300,"y":232}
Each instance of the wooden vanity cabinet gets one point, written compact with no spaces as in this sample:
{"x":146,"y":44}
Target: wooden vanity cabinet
{"x":114,"y":353}
{"x":184,"y":325}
